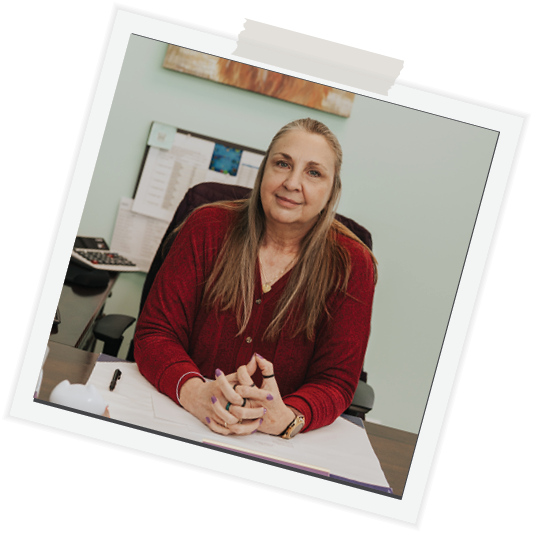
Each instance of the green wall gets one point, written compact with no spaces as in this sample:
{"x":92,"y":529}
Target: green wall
{"x":413,"y":179}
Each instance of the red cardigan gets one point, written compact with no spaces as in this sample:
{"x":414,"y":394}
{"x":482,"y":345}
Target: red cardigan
{"x":176,"y":335}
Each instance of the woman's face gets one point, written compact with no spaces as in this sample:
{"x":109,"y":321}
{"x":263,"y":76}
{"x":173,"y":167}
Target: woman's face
{"x":298,"y":179}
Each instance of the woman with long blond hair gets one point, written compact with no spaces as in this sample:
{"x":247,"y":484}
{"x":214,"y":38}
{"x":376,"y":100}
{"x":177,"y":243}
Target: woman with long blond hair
{"x":260,"y":315}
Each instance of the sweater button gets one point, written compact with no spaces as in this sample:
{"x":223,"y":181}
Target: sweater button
{"x":258,"y":301}
{"x":248,"y":340}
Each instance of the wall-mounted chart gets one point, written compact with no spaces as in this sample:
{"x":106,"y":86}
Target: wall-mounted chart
{"x":165,"y":178}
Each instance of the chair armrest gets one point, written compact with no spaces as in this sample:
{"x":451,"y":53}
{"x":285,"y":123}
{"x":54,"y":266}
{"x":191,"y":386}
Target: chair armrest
{"x":363,"y":399}
{"x":110,"y":330}
{"x":112,"y":327}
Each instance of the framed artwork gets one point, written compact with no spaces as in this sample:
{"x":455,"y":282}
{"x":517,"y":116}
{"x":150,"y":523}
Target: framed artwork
{"x":259,"y":80}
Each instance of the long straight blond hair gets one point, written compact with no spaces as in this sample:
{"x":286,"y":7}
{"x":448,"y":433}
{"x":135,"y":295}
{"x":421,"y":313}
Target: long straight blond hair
{"x":231,"y":283}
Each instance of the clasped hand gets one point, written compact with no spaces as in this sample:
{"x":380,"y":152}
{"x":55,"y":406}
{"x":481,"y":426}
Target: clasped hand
{"x":234,"y":405}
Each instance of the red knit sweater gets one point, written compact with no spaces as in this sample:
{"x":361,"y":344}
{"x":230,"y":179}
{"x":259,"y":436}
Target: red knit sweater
{"x":176,"y":334}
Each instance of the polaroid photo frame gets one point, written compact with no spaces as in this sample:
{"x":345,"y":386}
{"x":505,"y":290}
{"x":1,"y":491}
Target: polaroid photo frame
{"x":506,"y":130}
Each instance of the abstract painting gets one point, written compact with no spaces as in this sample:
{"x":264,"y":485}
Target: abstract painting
{"x":259,"y":80}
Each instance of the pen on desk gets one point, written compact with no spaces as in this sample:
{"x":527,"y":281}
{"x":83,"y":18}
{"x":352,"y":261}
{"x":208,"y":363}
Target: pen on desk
{"x":116,"y":377}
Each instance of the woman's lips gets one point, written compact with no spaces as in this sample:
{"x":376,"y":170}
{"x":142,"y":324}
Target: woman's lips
{"x":287,"y":201}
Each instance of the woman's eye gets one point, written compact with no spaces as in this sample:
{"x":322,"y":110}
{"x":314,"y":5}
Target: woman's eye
{"x":314,"y":173}
{"x":282,"y":164}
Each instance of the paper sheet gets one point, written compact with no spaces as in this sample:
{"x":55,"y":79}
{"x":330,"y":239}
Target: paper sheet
{"x":168,"y":174}
{"x":341,"y":449}
{"x":248,"y":168}
{"x":135,"y":236}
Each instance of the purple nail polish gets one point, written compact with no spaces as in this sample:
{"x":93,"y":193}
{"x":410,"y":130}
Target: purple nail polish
{"x":264,"y":410}
{"x":208,"y":420}
{"x":260,"y":421}
{"x":213,"y":399}
{"x":218,"y":372}
{"x":260,"y":356}
{"x":253,"y":431}
{"x":270,"y":397}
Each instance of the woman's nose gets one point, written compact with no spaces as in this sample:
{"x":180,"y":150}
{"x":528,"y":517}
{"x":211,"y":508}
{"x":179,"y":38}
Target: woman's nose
{"x":293,"y":181}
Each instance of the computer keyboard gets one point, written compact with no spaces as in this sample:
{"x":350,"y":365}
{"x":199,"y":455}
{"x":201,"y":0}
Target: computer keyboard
{"x":103,"y":260}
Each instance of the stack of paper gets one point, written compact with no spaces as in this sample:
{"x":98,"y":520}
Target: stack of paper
{"x":340,"y":450}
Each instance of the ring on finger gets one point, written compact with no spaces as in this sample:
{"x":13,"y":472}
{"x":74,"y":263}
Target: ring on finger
{"x":226,"y":425}
{"x":266,"y":377}
{"x":229,"y":404}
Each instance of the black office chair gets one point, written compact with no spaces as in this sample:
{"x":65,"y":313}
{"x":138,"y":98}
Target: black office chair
{"x":110,"y":329}
{"x":205,"y":193}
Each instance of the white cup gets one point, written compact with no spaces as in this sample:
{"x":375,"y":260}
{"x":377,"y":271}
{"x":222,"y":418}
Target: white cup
{"x":82,"y":397}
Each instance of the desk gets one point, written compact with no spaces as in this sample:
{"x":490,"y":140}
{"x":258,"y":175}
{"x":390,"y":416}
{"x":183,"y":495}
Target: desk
{"x":79,"y":308}
{"x":394,"y":448}
{"x":65,"y":362}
